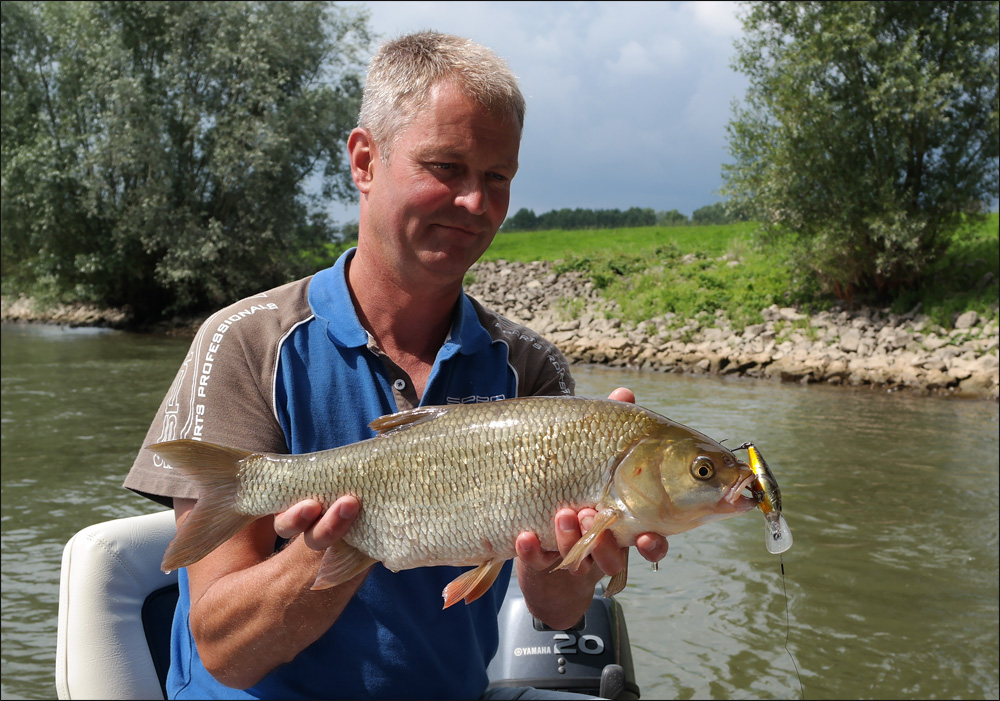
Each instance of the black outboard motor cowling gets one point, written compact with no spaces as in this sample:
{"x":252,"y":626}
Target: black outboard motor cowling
{"x":593,"y":657}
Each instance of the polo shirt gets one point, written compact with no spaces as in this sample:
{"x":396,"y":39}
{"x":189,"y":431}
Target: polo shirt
{"x":293,"y":371}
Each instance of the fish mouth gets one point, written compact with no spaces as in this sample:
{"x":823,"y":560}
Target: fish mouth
{"x":739,"y":497}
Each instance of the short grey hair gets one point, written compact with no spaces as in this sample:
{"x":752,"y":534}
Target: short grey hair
{"x":403,"y":71}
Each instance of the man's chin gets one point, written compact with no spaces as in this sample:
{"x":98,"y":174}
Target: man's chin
{"x":453,"y":258}
{"x":448,"y":266}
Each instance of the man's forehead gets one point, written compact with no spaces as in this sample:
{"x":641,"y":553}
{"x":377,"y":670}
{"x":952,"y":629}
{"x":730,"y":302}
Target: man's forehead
{"x":497,"y":142}
{"x":463,"y":150}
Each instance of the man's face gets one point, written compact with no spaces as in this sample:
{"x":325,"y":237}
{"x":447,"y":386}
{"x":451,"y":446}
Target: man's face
{"x":436,"y":206}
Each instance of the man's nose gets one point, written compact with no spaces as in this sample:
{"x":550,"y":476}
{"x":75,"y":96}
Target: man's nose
{"x":472,"y":194}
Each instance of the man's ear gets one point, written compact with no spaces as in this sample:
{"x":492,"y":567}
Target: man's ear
{"x":362,"y":152}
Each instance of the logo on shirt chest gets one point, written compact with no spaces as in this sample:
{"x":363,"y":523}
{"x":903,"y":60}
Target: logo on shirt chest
{"x":475,"y":398}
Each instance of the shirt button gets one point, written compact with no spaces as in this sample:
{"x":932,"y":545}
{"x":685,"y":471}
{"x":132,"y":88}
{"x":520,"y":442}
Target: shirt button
{"x":399,"y":384}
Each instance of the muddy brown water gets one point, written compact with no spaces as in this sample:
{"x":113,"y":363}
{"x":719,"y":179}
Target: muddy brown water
{"x":892,"y":500}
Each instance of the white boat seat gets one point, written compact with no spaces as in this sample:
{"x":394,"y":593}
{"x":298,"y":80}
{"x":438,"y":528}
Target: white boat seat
{"x":115,"y":610}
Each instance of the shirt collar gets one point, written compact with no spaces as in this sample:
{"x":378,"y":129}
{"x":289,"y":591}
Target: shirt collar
{"x":467,"y":334}
{"x":331,"y":302}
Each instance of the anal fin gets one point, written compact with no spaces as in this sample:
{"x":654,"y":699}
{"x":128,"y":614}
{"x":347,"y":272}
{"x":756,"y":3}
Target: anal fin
{"x":472,"y":584}
{"x":341,"y":562}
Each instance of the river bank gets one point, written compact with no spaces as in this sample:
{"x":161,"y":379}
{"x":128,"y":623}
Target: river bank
{"x":866,"y":347}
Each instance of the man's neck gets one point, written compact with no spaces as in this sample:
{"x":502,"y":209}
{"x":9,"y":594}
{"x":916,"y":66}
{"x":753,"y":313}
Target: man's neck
{"x":409,"y":325}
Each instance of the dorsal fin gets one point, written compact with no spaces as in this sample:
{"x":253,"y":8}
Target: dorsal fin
{"x":406,"y":419}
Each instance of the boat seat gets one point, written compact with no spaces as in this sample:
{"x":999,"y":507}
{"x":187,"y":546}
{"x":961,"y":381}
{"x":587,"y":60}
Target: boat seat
{"x":115,"y":610}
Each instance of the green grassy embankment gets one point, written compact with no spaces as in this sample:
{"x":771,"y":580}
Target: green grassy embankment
{"x":690,"y":269}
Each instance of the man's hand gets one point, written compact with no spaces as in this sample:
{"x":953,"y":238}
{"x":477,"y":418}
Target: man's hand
{"x":570,"y":525}
{"x":320,"y":529}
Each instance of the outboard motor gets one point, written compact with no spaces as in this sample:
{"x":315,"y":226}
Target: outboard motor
{"x":593,"y":657}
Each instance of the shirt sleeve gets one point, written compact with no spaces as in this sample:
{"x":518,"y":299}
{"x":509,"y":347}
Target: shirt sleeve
{"x":224,"y":390}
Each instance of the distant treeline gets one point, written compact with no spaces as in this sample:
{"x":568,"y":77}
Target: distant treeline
{"x":570,"y":219}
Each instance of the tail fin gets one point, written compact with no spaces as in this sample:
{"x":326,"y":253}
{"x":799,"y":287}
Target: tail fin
{"x":214,"y":519}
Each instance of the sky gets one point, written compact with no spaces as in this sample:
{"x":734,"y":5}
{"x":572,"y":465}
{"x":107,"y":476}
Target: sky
{"x":627,"y":101}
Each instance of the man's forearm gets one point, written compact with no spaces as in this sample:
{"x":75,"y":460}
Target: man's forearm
{"x":249,"y":620}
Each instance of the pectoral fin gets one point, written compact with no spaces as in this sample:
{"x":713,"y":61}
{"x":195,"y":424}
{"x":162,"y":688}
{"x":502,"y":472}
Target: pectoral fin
{"x":588,"y":541}
{"x":472,"y":584}
{"x":341,"y":562}
{"x":618,"y":582}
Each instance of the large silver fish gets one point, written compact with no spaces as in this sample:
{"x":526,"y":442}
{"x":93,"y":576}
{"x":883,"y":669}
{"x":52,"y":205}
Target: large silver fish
{"x":455,"y":485}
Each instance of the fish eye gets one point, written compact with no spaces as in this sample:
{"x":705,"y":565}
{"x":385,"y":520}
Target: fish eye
{"x":702,"y":468}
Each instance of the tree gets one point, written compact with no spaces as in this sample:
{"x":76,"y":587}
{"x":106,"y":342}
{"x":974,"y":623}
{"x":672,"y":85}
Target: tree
{"x":638,"y":216}
{"x":672,"y":218}
{"x":869,"y":132}
{"x":577,"y":219}
{"x":716,"y":213}
{"x":524,"y":220}
{"x":166,"y":155}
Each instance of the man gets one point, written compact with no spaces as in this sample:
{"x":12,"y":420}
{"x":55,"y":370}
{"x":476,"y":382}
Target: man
{"x":308,"y":365}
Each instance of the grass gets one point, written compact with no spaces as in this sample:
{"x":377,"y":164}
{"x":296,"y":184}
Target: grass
{"x":687,"y":270}
{"x":526,"y":246}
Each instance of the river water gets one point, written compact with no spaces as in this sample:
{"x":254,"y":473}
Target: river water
{"x":892,"y":582}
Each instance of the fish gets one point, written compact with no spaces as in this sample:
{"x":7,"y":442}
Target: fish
{"x":778,"y":536}
{"x":456,"y":484}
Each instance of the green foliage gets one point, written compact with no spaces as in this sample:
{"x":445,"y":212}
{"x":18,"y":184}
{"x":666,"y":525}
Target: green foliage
{"x":156,"y":154}
{"x":526,"y":220}
{"x":692,"y":284}
{"x":691,"y":270}
{"x":966,"y":278}
{"x":638,"y":241}
{"x":580,"y":219}
{"x":869,"y":135}
{"x":684,"y":270}
{"x":718,"y":213}
{"x":671,"y":218}
{"x":603,"y":269}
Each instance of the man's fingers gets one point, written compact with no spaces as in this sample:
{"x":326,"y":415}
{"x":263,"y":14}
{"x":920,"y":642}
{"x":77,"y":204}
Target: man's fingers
{"x":623,"y":394}
{"x":529,"y":550}
{"x":297,"y":519}
{"x":651,"y":546}
{"x":569,"y":528}
{"x":608,"y":556}
{"x":332,"y":526}
{"x":321,"y":529}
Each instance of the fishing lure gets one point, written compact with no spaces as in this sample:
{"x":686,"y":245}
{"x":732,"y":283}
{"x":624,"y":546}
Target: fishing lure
{"x":778,"y":537}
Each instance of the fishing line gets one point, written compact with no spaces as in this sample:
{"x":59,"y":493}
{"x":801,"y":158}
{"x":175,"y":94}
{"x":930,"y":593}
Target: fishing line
{"x":788,"y":626}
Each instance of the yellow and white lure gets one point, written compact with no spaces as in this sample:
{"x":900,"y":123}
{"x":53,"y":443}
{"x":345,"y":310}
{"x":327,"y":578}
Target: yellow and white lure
{"x":778,"y":537}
